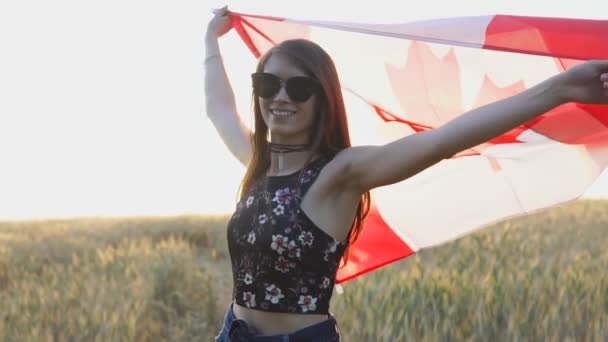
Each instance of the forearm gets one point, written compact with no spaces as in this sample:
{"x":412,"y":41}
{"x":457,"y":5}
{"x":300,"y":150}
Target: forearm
{"x":221,"y":105}
{"x":484,"y":123}
{"x":219,"y":97}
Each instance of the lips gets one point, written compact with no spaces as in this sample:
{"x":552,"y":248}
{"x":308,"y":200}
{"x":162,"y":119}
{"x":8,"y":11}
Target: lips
{"x":282,"y":112}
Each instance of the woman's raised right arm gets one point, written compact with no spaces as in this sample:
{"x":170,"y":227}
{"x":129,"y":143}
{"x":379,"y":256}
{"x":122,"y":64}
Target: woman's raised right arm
{"x":220,"y":103}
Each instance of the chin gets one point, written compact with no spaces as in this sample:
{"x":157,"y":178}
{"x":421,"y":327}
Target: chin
{"x":285,"y":134}
{"x":282,"y":134}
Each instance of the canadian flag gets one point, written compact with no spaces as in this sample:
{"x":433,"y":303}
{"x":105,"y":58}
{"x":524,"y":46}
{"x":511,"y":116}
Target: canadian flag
{"x":417,"y":76}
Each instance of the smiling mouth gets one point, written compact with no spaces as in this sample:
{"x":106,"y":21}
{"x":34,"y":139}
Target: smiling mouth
{"x":282,"y":113}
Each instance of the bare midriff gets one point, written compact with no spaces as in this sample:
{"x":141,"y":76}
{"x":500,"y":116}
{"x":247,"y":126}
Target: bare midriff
{"x":269,"y":323}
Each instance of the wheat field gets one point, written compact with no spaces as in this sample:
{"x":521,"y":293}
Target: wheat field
{"x":539,"y":278}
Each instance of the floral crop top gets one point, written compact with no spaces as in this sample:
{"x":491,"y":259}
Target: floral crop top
{"x":281,"y":261}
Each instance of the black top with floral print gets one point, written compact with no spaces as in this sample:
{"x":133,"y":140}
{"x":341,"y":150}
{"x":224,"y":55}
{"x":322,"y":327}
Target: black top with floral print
{"x":281,"y":261}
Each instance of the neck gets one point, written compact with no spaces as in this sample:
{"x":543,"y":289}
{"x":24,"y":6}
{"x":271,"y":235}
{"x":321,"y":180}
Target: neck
{"x":287,"y":158}
{"x":288,"y":148}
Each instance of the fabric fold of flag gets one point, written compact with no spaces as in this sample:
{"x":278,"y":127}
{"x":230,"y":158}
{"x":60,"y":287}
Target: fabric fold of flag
{"x":400,"y":79}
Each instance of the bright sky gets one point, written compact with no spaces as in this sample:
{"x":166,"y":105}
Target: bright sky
{"x":102,"y":105}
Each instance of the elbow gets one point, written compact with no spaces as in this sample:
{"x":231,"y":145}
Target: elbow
{"x":214,"y":113}
{"x":446,"y":153}
{"x":216,"y":109}
{"x":211,"y":110}
{"x":443,"y":148}
{"x":210,"y":115}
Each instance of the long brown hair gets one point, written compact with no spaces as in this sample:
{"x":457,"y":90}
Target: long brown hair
{"x":330,"y":128}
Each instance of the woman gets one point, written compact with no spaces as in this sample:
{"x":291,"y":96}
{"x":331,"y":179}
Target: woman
{"x":306,"y":190}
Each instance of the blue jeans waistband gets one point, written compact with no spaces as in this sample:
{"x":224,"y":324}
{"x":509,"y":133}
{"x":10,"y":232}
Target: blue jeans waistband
{"x":238,"y":330}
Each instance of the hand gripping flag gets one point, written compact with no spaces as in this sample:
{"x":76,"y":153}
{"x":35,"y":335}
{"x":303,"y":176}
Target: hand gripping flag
{"x":416,"y":76}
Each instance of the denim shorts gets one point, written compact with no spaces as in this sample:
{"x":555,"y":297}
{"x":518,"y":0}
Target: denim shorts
{"x":238,"y":330}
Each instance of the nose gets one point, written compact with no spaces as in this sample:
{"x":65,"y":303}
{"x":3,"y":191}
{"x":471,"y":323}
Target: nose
{"x":281,"y":95}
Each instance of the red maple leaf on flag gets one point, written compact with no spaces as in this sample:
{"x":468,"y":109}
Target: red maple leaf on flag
{"x":429,"y":89}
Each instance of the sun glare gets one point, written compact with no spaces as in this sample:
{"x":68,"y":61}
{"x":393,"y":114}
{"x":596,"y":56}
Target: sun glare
{"x":111,"y":120}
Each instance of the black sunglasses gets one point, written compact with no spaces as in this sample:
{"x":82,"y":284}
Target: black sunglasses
{"x":299,"y":88}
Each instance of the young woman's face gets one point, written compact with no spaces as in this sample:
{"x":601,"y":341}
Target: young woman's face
{"x":288,"y":121}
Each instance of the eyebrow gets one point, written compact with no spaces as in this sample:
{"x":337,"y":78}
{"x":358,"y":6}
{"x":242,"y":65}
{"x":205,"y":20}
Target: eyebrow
{"x":283,"y":78}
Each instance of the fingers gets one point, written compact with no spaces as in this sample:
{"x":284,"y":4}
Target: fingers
{"x":220,"y":11}
{"x":220,"y":24}
{"x":603,"y":63}
{"x":604,"y":80}
{"x":602,"y":67}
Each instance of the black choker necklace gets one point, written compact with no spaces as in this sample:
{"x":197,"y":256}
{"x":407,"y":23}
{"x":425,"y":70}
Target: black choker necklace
{"x":287,"y":148}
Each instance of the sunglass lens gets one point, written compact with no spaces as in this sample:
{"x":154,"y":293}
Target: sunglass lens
{"x":300,"y":89}
{"x":265,"y":85}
